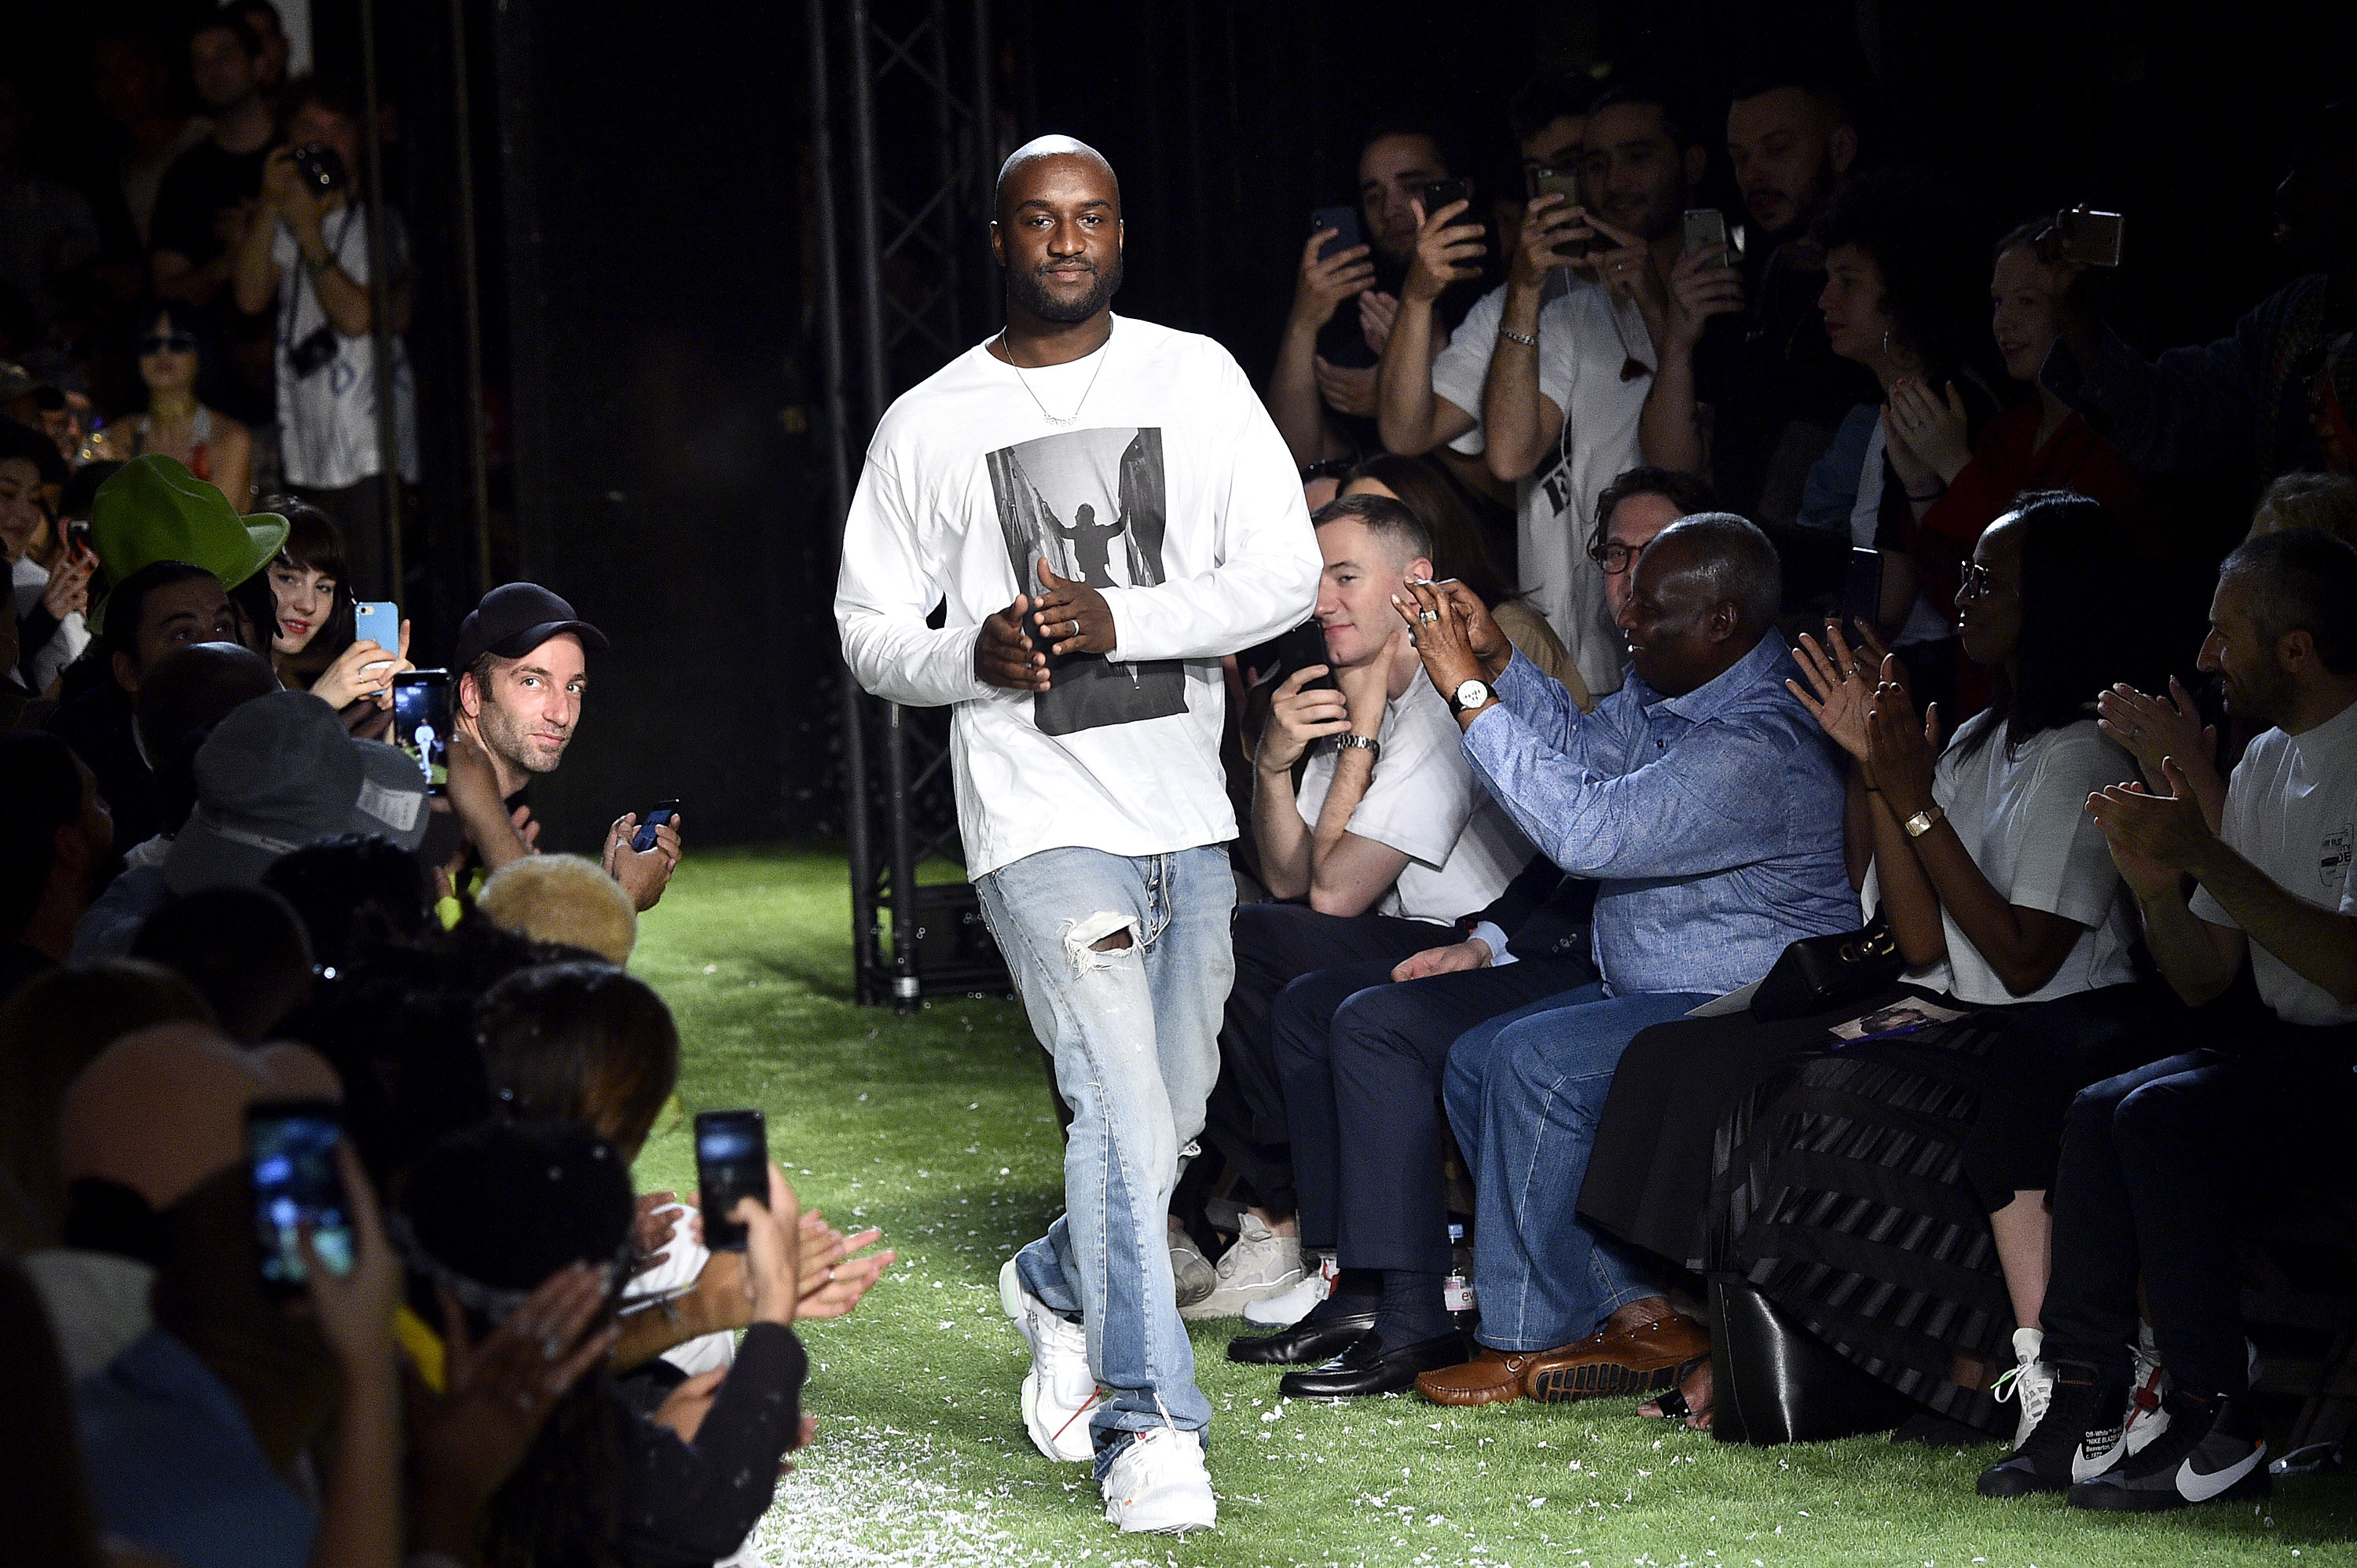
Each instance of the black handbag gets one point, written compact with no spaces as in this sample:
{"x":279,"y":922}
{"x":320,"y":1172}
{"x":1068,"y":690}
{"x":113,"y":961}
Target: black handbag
{"x":1817,"y":973}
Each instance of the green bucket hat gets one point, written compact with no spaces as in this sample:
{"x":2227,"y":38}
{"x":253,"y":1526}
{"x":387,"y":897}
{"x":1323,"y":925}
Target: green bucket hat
{"x":154,"y":510}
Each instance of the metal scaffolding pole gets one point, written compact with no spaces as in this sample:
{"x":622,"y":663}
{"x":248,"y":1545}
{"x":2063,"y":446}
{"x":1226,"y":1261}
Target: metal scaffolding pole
{"x":910,"y":98}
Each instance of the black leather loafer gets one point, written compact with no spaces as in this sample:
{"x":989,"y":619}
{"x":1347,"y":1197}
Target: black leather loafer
{"x":1306,"y":1343}
{"x":1366,"y":1368}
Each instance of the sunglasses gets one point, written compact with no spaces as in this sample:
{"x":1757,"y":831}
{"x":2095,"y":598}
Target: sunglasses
{"x":167,"y":343}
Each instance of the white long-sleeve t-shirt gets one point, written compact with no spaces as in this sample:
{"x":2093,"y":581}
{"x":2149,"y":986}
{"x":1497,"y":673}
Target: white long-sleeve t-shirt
{"x":1170,"y":492}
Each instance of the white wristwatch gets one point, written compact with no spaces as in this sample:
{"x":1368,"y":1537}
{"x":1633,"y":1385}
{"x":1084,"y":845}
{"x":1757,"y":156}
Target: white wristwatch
{"x":1468,"y":695}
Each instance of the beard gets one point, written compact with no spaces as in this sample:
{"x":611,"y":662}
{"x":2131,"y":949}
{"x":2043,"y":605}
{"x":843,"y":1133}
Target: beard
{"x":1030,"y":291}
{"x":508,"y":737}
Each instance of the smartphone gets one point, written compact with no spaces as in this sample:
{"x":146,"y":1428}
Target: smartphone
{"x":1563,"y":182}
{"x":2088,"y":238}
{"x":1861,"y":601}
{"x":291,"y":1146}
{"x":732,"y":1161}
{"x":644,"y":839}
{"x":421,"y":722}
{"x":1275,"y":660}
{"x":1344,"y":221}
{"x":1707,"y":227}
{"x":1439,"y":193}
{"x":377,"y":621}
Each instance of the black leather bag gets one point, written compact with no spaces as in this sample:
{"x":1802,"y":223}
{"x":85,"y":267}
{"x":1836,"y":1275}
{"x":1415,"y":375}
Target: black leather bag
{"x":1817,"y":973}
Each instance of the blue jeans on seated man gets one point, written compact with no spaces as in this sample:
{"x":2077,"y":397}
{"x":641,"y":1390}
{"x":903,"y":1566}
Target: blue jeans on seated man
{"x":1135,"y":1034}
{"x":1524,"y":1091}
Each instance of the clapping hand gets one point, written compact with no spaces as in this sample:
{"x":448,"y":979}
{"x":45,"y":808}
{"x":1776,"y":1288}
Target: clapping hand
{"x":1346,"y":390}
{"x":1899,"y":753}
{"x":1925,"y":432}
{"x":2154,"y":838}
{"x":2154,"y":730}
{"x":1840,"y":694}
{"x":832,"y":1280}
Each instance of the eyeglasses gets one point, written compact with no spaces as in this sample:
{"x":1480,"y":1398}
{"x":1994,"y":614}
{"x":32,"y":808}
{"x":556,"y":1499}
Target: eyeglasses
{"x":1615,"y":558}
{"x":1977,"y":583}
{"x":168,"y":343}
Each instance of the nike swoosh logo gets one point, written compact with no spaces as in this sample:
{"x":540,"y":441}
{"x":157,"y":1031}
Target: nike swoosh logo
{"x":2086,"y":1466}
{"x":2195,"y":1486}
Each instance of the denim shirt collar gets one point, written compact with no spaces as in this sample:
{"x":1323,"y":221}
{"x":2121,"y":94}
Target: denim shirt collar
{"x":1729,"y":685}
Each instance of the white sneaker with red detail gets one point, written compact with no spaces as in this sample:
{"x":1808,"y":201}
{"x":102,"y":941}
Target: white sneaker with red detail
{"x":1157,"y":1485}
{"x":1058,"y":1391}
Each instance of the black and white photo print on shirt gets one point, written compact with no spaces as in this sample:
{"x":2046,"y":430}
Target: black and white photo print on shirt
{"x":1092,"y":503}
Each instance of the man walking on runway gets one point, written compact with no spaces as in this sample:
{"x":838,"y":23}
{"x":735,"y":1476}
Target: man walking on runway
{"x":1086,"y":741}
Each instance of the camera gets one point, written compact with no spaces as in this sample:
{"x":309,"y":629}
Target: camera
{"x":320,"y":166}
{"x":2090,"y":238}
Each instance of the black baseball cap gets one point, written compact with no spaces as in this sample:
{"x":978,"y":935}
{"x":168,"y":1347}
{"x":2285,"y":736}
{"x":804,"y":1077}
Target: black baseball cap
{"x":513,"y":619}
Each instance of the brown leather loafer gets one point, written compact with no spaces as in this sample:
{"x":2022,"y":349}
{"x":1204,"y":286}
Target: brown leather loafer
{"x":1645,"y":1359}
{"x":1492,"y":1378}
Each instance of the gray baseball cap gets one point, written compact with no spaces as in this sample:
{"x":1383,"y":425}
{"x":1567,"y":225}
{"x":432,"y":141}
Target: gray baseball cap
{"x":280,"y":772}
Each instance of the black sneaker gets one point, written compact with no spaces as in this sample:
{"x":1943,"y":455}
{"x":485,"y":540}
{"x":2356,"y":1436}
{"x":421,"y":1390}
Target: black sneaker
{"x":2076,"y":1439}
{"x":2209,"y":1453}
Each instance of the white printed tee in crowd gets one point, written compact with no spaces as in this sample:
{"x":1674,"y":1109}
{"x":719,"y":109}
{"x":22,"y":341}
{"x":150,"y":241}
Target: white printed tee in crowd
{"x":327,"y":420}
{"x":2292,"y":810}
{"x":1462,"y":847}
{"x":1584,"y":341}
{"x":2022,"y":815}
{"x":1147,"y":469}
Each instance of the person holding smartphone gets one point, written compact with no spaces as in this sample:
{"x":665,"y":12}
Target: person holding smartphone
{"x":1085,"y":740}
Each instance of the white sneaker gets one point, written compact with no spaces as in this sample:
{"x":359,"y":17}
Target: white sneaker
{"x":1157,"y":1485}
{"x":2028,"y":1380}
{"x":2148,"y":1414}
{"x":1289,"y":1308}
{"x":1058,"y":1391}
{"x":1261,"y":1263}
{"x":1189,"y":1270}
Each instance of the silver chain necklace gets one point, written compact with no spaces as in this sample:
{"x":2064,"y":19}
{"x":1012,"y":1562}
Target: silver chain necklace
{"x":1075,"y":419}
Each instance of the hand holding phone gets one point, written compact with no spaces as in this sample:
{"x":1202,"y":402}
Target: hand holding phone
{"x":422,"y":721}
{"x":1707,"y":227}
{"x":1440,"y":193}
{"x":644,"y":839}
{"x":1344,"y":221}
{"x":291,"y":1148}
{"x":732,"y":1162}
{"x":1563,"y":182}
{"x":378,"y":622}
{"x":1861,"y":603}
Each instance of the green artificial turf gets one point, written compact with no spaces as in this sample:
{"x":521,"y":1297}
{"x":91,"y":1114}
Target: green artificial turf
{"x":939,"y":1129}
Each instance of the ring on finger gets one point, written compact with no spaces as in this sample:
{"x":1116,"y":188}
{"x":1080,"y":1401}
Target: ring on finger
{"x":1427,"y":616}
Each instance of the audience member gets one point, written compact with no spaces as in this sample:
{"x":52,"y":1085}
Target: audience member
{"x":489,"y":1215}
{"x":308,"y":245}
{"x":1566,"y":387}
{"x":1707,"y":878}
{"x":1755,"y":400}
{"x":270,"y":31}
{"x":352,"y":893}
{"x":1322,"y":393}
{"x":2246,"y":400}
{"x":192,"y":1435}
{"x":49,"y":576}
{"x":1900,"y":299}
{"x":2159,"y":1164}
{"x":50,"y":1030}
{"x":132,"y":77}
{"x":244,"y":949}
{"x":1548,"y":119}
{"x":2325,"y":502}
{"x":206,"y":199}
{"x":171,"y":349}
{"x":277,"y":773}
{"x":42,"y":1493}
{"x":566,"y":899}
{"x":56,"y":852}
{"x":312,"y":643}
{"x":1385,"y":839}
{"x":522,"y":663}
{"x":1461,"y":551}
{"x":189,"y":690}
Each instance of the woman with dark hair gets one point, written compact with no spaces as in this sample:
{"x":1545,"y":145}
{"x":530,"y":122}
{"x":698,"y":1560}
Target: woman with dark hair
{"x":215,"y":447}
{"x":1887,"y":1189}
{"x":1901,"y":298}
{"x":1459,"y":552}
{"x":311,"y":641}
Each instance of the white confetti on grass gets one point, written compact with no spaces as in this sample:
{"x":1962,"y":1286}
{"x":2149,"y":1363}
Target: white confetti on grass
{"x":861,"y":1498}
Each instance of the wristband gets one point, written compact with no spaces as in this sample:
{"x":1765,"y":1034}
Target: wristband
{"x":1527,"y":339}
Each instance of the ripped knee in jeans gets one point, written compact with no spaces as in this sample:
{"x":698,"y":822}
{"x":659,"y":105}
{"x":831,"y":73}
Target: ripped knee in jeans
{"x":1093,"y":944}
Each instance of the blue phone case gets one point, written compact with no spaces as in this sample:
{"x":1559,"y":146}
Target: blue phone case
{"x":378,"y":622}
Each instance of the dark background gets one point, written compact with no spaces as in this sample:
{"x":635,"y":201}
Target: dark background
{"x":645,"y":260}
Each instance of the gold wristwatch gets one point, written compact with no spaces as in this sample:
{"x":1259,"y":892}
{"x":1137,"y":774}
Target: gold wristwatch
{"x":1924,"y":821}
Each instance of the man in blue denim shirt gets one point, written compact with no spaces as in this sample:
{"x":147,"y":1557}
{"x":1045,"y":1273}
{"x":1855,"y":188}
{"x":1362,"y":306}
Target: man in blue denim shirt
{"x":1703,"y":799}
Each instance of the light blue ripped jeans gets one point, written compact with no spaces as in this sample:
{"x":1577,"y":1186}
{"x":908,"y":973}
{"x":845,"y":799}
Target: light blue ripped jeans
{"x":1134,"y":1032}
